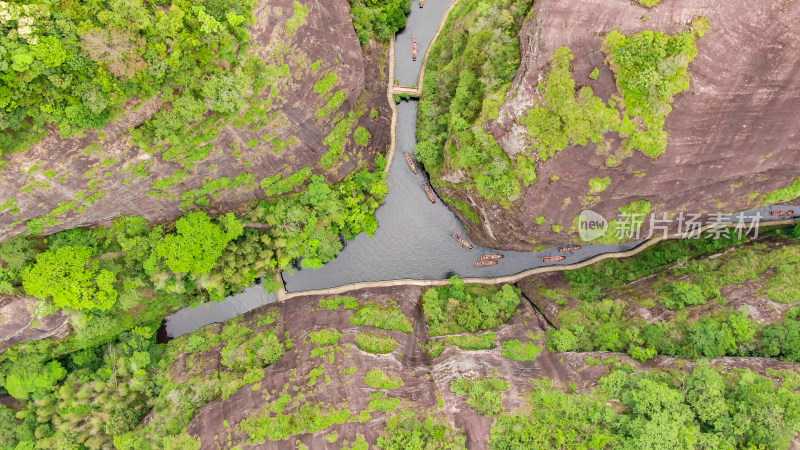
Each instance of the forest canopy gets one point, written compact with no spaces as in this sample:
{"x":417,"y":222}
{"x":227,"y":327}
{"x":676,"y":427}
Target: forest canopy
{"x":73,"y":64}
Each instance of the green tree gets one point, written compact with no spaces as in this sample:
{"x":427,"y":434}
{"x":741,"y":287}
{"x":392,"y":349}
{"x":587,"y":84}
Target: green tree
{"x":71,"y":277}
{"x":705,"y":393}
{"x":198,"y":243}
{"x":29,"y":375}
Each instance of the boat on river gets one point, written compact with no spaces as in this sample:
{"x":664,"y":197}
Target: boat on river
{"x":421,"y":2}
{"x":486,"y":263}
{"x":410,"y":162}
{"x":784,"y":212}
{"x":429,"y":191}
{"x":463,"y":241}
{"x":414,"y":48}
{"x":569,"y":248}
{"x":491,"y":257}
{"x":548,"y":259}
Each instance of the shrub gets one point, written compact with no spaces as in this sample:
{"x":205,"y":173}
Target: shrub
{"x":380,"y":402}
{"x":473,"y":342}
{"x":325,"y":337}
{"x":257,"y":352}
{"x":484,"y":395}
{"x":597,"y":185}
{"x":376,"y":343}
{"x":361,"y":136}
{"x":384,"y":317}
{"x":406,"y":429}
{"x":651,"y":68}
{"x":680,"y":294}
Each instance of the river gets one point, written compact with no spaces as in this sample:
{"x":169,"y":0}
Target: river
{"x":415,"y":237}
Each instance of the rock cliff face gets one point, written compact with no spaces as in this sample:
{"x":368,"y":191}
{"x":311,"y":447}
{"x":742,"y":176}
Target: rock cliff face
{"x":426,"y":380}
{"x":732,"y":136}
{"x":19,"y":322}
{"x":286,"y":136}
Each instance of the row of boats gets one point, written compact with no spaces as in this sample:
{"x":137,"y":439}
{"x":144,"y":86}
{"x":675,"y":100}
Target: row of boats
{"x":486,"y":260}
{"x":565,"y":248}
{"x":425,"y":186}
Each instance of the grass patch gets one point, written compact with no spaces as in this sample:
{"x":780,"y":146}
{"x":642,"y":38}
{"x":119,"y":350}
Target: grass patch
{"x":275,"y":186}
{"x":333,"y":304}
{"x":784,"y":195}
{"x":519,"y":351}
{"x":597,"y":185}
{"x":298,"y":18}
{"x":326,"y":83}
{"x":376,"y":379}
{"x":380,"y":402}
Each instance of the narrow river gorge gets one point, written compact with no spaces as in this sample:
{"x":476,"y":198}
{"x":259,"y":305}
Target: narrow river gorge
{"x":415,"y":237}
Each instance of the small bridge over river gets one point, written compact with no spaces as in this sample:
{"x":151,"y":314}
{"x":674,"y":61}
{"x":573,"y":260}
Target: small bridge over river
{"x":408,"y":90}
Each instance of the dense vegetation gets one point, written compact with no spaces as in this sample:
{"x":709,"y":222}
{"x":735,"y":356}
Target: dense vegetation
{"x":244,"y":350}
{"x":604,"y":326}
{"x":74,"y":64}
{"x":565,"y":118}
{"x":97,"y":396}
{"x":650,"y":67}
{"x":112,"y":279}
{"x":706,"y":409}
{"x":459,"y":307}
{"x":600,"y":322}
{"x":102,"y":392}
{"x":468,"y":72}
{"x":379,"y":19}
{"x":589,"y":283}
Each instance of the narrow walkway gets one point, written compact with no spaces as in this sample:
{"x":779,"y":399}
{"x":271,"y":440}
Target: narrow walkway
{"x":284,"y":295}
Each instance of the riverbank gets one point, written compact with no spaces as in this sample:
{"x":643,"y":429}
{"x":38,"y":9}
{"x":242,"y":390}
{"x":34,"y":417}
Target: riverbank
{"x":509,"y":278}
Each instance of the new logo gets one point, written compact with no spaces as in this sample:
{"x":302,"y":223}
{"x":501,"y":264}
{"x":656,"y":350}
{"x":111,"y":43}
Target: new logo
{"x":591,"y":225}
